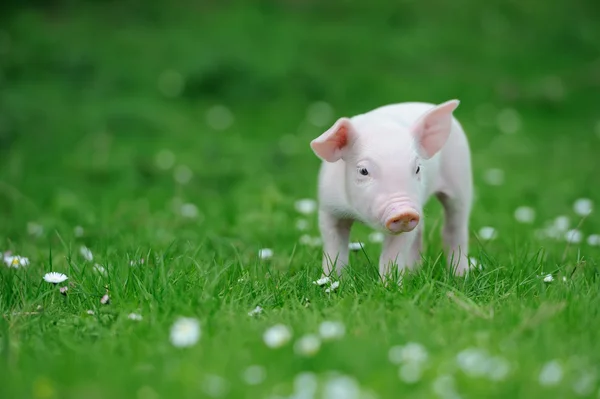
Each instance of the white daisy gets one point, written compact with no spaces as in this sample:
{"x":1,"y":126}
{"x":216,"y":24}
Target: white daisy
{"x":35,"y":229}
{"x":562,"y":223}
{"x":548,"y":278}
{"x":189,"y":210}
{"x":15,"y":261}
{"x":494,"y":177}
{"x":90,"y":312}
{"x":182,"y":174}
{"x":551,"y":374}
{"x":574,"y":236}
{"x":254,"y":375}
{"x":341,"y":387}
{"x":525,"y":214}
{"x":306,"y":206}
{"x":487,"y":233}
{"x":265,"y":253}
{"x":329,"y":330}
{"x":472,"y":361}
{"x":301,"y":224}
{"x":277,"y":336}
{"x":411,"y":372}
{"x":594,"y":240}
{"x":307,"y":345}
{"x":334,"y":286}
{"x":86,"y":253}
{"x":255,"y":311}
{"x":99,"y":269}
{"x":78,"y":231}
{"x":219,"y":117}
{"x":185,"y":332}
{"x":322,"y":281}
{"x":55,"y":277}
{"x":583,"y":206}
{"x":105,"y":299}
{"x":63,"y":290}
{"x":135,"y":316}
{"x":310,"y":241}
{"x":355,"y":246}
{"x":376,"y":237}
{"x":412,"y":352}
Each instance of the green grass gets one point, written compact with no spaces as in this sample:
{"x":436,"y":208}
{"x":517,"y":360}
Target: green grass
{"x":90,"y":94}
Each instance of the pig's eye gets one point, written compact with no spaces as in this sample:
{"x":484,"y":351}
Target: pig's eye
{"x":418,"y":169}
{"x":363,"y":171}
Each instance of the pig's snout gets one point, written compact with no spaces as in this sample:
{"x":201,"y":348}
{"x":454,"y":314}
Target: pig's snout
{"x":402,"y":222}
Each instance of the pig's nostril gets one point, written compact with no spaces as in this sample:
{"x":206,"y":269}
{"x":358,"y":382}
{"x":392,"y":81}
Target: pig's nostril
{"x":403,"y":222}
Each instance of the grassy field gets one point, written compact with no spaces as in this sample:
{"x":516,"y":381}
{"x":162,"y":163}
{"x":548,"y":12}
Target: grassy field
{"x":172,"y":142}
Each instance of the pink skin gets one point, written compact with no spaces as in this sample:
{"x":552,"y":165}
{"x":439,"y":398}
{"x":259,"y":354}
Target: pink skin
{"x":380,"y":168}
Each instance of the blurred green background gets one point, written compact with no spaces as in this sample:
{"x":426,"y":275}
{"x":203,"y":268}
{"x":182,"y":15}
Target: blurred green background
{"x":185,"y":125}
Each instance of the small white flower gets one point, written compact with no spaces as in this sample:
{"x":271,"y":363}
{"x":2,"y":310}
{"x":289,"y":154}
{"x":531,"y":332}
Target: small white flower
{"x":306,"y":239}
{"x":100,"y":269}
{"x":307,"y":345}
{"x":185,"y":332}
{"x":105,"y":299}
{"x":551,"y":373}
{"x":301,"y":224}
{"x":562,"y":223}
{"x":306,"y":206}
{"x":334,"y":286}
{"x":254,"y":375}
{"x":525,"y":214}
{"x":15,"y":261}
{"x":189,"y":210}
{"x":564,"y":279}
{"x":215,"y":386}
{"x":86,"y":253}
{"x":487,"y":233}
{"x":255,"y":311}
{"x":341,"y":387}
{"x":165,"y":159}
{"x":265,"y":253}
{"x":584,"y":385}
{"x":494,"y":177}
{"x":78,"y":231}
{"x":355,"y":246}
{"x":497,"y":368}
{"x":277,"y":336}
{"x":472,"y":361}
{"x":474,"y":263}
{"x":330,"y":330}
{"x":508,"y":121}
{"x":90,"y":312}
{"x":574,"y":236}
{"x":376,"y":237}
{"x":322,"y":281}
{"x":445,"y":387}
{"x":412,"y":352}
{"x":594,"y":240}
{"x":320,"y":114}
{"x":411,"y":372}
{"x":305,"y":385}
{"x":182,"y":174}
{"x":548,"y":278}
{"x":583,"y":206}
{"x":63,"y":290}
{"x":55,"y":277}
{"x":35,"y":229}
{"x":219,"y":117}
{"x":135,"y":316}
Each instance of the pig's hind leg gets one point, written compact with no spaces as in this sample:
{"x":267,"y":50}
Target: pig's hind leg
{"x":336,"y":236}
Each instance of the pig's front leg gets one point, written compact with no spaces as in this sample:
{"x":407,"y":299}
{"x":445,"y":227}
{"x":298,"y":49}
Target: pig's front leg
{"x":398,"y":250}
{"x":336,"y":236}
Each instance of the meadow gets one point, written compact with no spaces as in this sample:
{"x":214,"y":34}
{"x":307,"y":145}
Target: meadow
{"x":157,"y":155}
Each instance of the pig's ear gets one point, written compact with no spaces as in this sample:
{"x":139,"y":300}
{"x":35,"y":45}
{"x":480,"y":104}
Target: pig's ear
{"x":433,"y":128}
{"x":330,"y":145}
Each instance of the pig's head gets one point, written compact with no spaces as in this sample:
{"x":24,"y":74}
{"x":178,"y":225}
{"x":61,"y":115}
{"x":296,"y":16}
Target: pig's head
{"x":383,"y":163}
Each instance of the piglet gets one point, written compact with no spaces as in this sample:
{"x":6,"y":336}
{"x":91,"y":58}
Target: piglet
{"x":380,"y":168}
